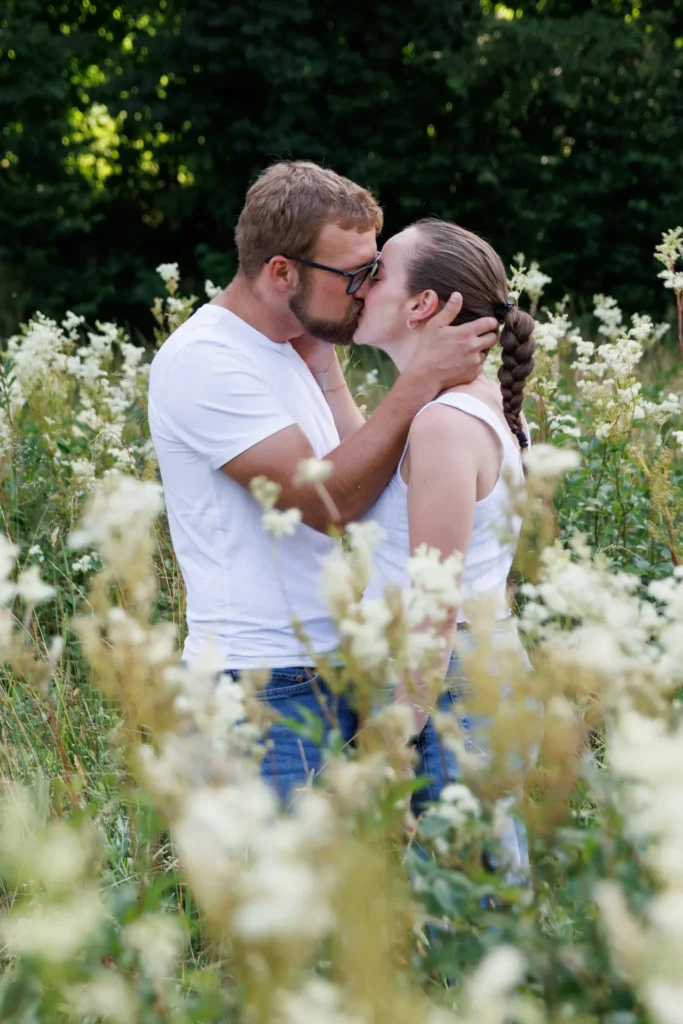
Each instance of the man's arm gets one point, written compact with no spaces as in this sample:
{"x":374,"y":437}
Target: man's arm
{"x":362,"y":464}
{"x":321,"y":359}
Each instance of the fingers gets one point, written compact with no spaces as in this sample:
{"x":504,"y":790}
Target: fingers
{"x":486,"y":325}
{"x":486,"y":341}
{"x":449,"y":312}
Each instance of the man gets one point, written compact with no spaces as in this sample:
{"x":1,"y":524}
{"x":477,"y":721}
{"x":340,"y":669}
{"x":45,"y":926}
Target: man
{"x":230,"y":399}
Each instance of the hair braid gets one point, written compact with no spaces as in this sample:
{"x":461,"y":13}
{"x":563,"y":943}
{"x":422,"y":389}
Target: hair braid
{"x":518,"y":345}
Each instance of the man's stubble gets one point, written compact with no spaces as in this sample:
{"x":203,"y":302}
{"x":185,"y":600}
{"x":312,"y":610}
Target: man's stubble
{"x":336,"y":332}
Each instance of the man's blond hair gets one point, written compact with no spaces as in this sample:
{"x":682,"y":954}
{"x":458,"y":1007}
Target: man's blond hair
{"x":289,"y":204}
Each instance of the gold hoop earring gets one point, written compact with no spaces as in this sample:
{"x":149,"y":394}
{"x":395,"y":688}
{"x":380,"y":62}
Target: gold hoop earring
{"x":411,"y":326}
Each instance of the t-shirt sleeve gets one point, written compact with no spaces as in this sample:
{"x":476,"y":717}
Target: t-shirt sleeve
{"x":222,"y":412}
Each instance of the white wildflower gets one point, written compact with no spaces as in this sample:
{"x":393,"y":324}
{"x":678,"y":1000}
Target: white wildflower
{"x":544,"y":460}
{"x":281,"y":899}
{"x":219,"y":821}
{"x":211,"y":289}
{"x":312,"y":471}
{"x":35,"y":551}
{"x":216,"y":708}
{"x":501,"y":970}
{"x":58,"y":858}
{"x":663,"y":997}
{"x":548,"y":334}
{"x":132,"y":355}
{"x":84,"y":564}
{"x":671,"y":404}
{"x":174,"y":305}
{"x":608,"y":313}
{"x":423,"y":647}
{"x":457,"y":804}
{"x":281,"y":524}
{"x":158,"y":941}
{"x":669,"y":252}
{"x":106,"y":997}
{"x":101,"y":342}
{"x":6,"y":623}
{"x":5,"y":434}
{"x":31,"y":589}
{"x":435,"y":590}
{"x":530,"y":280}
{"x":37,"y":353}
{"x":318,"y":1002}
{"x":365,"y":632}
{"x":265,"y":491}
{"x":123,"y":459}
{"x":340,"y":583}
{"x":72,"y":322}
{"x":8,"y":555}
{"x":119,"y":516}
{"x":363,"y":539}
{"x":83,"y":471}
{"x":365,"y":535}
{"x":55,"y":933}
{"x":279,"y":890}
{"x":536,"y":281}
{"x":584,"y":349}
{"x":89,"y":417}
{"x":354,"y":782}
{"x":672,"y":279}
{"x":678,"y":437}
{"x":168,"y":272}
{"x":645,"y":331}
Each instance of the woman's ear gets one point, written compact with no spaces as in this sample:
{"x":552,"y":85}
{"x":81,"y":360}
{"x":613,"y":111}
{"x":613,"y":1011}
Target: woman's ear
{"x":423,"y":306}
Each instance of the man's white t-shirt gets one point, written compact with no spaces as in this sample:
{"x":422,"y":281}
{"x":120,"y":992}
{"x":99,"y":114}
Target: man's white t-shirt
{"x":218,"y":387}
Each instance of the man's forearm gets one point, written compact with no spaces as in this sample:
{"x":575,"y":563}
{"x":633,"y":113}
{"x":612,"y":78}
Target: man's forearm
{"x":365,"y":461}
{"x":347,"y":416}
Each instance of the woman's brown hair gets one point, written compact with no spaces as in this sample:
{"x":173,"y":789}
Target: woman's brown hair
{"x":450,"y":259}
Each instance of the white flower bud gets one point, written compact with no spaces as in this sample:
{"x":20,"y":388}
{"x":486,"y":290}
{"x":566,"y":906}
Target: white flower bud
{"x":168,"y":272}
{"x":312,"y":471}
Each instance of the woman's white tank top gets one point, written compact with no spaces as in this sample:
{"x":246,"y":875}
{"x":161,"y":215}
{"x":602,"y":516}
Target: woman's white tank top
{"x":492,"y":543}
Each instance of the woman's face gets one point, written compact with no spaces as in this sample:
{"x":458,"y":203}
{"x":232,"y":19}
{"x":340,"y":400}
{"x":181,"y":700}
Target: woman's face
{"x":388,"y":305}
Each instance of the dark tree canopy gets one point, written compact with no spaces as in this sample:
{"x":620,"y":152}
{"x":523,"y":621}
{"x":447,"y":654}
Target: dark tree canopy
{"x":130,"y":132}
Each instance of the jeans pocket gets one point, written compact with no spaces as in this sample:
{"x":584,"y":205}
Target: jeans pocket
{"x":288,"y":683}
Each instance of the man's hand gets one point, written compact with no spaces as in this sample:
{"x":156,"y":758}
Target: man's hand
{"x":453,"y":355}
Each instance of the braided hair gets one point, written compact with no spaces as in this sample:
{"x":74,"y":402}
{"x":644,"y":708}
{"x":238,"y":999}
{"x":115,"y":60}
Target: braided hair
{"x":448,"y":258}
{"x":518,"y":345}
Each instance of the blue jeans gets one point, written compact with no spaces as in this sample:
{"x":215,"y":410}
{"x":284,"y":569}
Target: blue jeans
{"x":434,"y":761}
{"x":293,"y":759}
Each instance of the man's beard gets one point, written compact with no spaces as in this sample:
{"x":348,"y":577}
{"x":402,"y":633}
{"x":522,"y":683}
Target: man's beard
{"x":337,"y":332}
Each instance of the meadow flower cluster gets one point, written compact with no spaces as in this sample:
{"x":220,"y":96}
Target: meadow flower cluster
{"x":147,"y":871}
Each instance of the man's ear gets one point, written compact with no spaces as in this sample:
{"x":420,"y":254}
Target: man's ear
{"x":424,"y":305}
{"x":281,"y":274}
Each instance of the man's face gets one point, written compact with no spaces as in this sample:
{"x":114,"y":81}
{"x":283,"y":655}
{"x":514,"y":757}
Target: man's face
{"x":321,"y":304}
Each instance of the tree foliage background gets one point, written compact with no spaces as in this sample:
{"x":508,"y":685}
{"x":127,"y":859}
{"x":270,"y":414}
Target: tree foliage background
{"x":130,"y":130}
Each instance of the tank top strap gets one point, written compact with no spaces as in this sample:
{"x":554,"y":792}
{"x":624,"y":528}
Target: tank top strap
{"x":481,"y":411}
{"x":402,"y":459}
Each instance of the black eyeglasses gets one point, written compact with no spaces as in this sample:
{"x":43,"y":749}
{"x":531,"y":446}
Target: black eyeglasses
{"x":357,"y":278}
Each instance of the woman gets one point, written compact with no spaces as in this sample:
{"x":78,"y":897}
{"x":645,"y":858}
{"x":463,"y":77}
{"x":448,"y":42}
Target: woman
{"x":450,"y":490}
